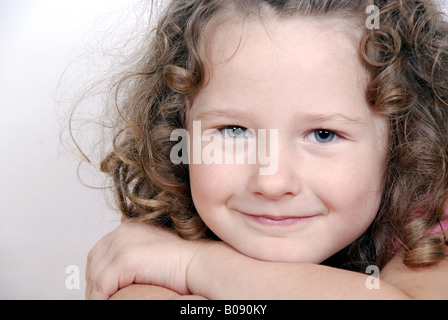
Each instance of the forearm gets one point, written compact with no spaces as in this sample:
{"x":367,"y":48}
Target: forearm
{"x":149,"y":292}
{"x":219,"y":272}
{"x":144,"y":292}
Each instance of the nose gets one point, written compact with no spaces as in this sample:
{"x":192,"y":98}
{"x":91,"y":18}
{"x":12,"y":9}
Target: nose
{"x":283,"y":183}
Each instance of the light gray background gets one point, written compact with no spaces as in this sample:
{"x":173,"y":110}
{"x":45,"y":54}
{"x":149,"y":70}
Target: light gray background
{"x":49,"y":220}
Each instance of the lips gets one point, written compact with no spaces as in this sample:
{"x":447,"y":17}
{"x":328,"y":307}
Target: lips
{"x":280,"y":221}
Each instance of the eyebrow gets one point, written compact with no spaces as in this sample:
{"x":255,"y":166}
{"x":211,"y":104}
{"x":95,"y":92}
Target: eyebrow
{"x":222,"y":113}
{"x":308,"y":117}
{"x":324,"y":117}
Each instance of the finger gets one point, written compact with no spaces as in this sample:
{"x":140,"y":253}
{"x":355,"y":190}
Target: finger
{"x":103,"y":287}
{"x":108,"y":274}
{"x":111,"y":280}
{"x":97,"y":261}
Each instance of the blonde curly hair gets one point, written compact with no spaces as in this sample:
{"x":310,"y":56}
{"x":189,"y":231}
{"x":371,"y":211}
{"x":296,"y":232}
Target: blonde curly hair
{"x":408,"y":61}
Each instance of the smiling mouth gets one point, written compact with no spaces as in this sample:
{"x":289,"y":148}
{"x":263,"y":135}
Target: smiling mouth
{"x":273,"y":221}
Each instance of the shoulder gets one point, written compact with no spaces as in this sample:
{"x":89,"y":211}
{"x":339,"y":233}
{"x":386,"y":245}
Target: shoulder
{"x":418,"y":283}
{"x":149,"y":292}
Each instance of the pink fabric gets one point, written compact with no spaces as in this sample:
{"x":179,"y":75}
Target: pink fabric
{"x":398,"y":245}
{"x":444,"y":224}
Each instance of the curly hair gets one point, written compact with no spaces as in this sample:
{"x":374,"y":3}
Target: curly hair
{"x":408,"y":61}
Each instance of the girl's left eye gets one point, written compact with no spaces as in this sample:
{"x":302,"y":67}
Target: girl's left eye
{"x":322,"y":136}
{"x":235,"y":132}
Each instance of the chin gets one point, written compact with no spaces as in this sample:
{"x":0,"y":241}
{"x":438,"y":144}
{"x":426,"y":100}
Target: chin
{"x":276,"y":254}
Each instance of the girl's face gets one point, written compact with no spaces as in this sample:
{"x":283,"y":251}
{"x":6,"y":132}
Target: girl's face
{"x":302,"y":80}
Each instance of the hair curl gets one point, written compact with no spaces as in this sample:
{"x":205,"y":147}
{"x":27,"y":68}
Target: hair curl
{"x":408,"y":61}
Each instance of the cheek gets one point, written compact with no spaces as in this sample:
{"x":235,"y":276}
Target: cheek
{"x":211,"y":186}
{"x":352,"y":206}
{"x":353,"y":186}
{"x":201,"y":183}
{"x":361,"y":194}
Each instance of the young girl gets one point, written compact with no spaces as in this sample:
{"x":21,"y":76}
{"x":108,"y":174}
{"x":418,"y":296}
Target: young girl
{"x":360,"y":115}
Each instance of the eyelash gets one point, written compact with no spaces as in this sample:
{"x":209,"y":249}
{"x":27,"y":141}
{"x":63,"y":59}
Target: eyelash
{"x":334,"y":136}
{"x":313,"y":134}
{"x":223,"y":131}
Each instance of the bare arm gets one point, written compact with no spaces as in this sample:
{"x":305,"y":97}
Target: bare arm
{"x":219,"y":272}
{"x":144,"y":292}
{"x":136,"y":253}
{"x":149,"y":292}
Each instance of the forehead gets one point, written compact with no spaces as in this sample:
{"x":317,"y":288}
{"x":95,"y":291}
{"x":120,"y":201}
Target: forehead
{"x":228,"y":35}
{"x":314,"y":62}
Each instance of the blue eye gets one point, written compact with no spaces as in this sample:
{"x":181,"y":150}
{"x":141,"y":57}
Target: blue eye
{"x":322,"y":136}
{"x":235,"y":132}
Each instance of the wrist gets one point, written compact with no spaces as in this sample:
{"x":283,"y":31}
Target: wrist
{"x":210,"y":259}
{"x":194,"y":265}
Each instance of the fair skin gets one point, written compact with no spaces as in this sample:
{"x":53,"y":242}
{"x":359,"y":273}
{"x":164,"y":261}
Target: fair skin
{"x":302,"y":77}
{"x":136,"y":254}
{"x":323,"y":195}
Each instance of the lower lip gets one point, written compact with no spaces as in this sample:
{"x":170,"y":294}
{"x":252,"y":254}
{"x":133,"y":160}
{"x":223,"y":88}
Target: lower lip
{"x":277,"y":222}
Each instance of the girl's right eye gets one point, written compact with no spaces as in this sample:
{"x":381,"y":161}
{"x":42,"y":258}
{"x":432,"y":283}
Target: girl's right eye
{"x":235,"y":132}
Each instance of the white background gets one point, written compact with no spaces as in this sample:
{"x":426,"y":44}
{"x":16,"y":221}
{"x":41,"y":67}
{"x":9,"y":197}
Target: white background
{"x":49,"y":220}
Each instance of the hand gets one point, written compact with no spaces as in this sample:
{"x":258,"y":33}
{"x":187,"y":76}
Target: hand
{"x":138,"y":253}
